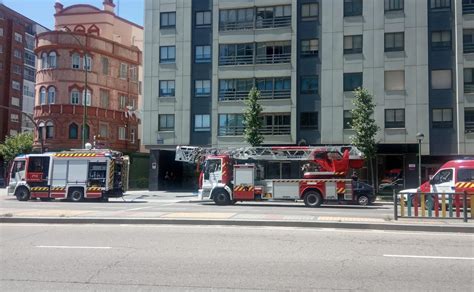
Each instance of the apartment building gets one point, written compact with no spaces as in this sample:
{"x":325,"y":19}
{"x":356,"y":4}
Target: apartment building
{"x":306,"y":57}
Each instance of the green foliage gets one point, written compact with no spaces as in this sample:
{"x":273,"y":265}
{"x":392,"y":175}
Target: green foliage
{"x":252,"y":119}
{"x":15,"y":145}
{"x":363,"y":123}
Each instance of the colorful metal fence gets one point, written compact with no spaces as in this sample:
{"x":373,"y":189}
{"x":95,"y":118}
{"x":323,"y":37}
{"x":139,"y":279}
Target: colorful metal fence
{"x":434,"y":205}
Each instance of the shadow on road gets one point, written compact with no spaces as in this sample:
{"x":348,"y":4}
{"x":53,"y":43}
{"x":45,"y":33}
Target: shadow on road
{"x":324,"y":206}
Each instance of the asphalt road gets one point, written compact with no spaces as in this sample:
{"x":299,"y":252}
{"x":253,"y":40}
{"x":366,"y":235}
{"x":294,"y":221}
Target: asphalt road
{"x":122,"y":257}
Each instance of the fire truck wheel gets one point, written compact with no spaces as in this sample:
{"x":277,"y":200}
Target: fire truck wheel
{"x":363,"y":200}
{"x":22,"y":194}
{"x":76,"y":195}
{"x":221,"y":197}
{"x":313,"y":199}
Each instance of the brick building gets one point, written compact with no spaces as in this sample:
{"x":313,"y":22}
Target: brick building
{"x":109,"y":48}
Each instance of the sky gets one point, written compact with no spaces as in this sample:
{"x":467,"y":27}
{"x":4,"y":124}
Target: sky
{"x":42,"y":11}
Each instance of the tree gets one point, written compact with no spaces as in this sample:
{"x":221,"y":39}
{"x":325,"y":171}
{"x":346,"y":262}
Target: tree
{"x":363,"y":123}
{"x":15,"y":145}
{"x":252,"y":119}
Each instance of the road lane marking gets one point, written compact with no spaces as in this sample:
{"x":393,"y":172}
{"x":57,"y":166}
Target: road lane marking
{"x":427,"y":257}
{"x":73,"y":247}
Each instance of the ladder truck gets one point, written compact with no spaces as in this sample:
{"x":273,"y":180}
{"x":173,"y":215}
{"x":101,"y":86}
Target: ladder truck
{"x":314,"y":174}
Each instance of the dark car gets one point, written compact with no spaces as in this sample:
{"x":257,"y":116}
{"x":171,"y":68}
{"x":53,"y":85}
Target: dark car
{"x":365,"y":193}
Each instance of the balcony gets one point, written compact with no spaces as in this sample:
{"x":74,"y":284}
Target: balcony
{"x":273,"y":59}
{"x":233,"y":95}
{"x":275,"y":22}
{"x":468,"y":87}
{"x":230,"y":95}
{"x":236,"y":60}
{"x":468,"y":48}
{"x":236,"y":25}
{"x":274,"y":130}
{"x":469,"y":127}
{"x":468,"y":8}
{"x":231,"y":131}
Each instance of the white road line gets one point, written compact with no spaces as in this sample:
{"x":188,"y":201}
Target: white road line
{"x":136,"y":209}
{"x":73,"y":247}
{"x":427,"y":257}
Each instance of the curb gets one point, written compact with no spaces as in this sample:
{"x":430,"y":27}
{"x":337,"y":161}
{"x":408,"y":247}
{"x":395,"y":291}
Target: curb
{"x":340,"y":225}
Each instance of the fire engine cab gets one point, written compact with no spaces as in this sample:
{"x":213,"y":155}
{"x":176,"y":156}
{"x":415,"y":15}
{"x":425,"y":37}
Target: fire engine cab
{"x":74,"y":175}
{"x":315,"y":175}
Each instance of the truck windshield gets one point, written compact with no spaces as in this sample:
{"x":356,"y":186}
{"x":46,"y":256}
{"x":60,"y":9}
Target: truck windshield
{"x":212,"y":165}
{"x":17,"y":167}
{"x":445,"y":175}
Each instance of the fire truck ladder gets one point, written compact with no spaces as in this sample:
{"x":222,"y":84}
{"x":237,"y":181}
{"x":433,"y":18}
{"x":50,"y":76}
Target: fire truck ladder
{"x":192,"y":154}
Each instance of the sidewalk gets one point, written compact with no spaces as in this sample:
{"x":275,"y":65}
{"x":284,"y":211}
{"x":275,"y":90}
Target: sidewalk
{"x":144,"y":214}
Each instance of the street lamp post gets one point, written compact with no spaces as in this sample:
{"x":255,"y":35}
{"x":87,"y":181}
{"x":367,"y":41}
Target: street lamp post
{"x":419,"y":137}
{"x":84,"y":96}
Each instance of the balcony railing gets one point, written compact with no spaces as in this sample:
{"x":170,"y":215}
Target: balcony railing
{"x":273,"y":59}
{"x":468,"y":8}
{"x":284,"y":21}
{"x":264,"y":94}
{"x":468,"y":87}
{"x":235,"y":60}
{"x":468,"y":48}
{"x":236,"y":25}
{"x":276,"y":130}
{"x":231,"y":131}
{"x":469,"y":127}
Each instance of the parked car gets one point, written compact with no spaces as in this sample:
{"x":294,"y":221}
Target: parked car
{"x":365,"y":193}
{"x":387,"y":188}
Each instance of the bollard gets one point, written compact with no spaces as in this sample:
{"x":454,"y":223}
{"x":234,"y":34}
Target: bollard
{"x":464,"y":205}
{"x":408,"y":205}
{"x":415,"y":204}
{"x":395,"y":211}
{"x":422,"y":204}
{"x":443,"y":205}
{"x":472,"y":206}
{"x":430,"y":206}
{"x":402,"y":207}
{"x":458,"y":207}
{"x":450,"y":201}
{"x":436,"y":206}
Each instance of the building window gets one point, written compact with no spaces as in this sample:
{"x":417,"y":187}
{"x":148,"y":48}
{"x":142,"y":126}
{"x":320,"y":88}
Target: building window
{"x":167,"y":19}
{"x":273,"y":52}
{"x":44,"y":60}
{"x":274,"y":88}
{"x":202,"y":123}
{"x":309,"y":11}
{"x":29,"y":59}
{"x":75,"y":97}
{"x":469,"y":80}
{"x":105,"y":66}
{"x":15,"y":101}
{"x":123,"y":71}
{"x":104,"y":98}
{"x":87,"y":63}
{"x":276,"y":124}
{"x":52,"y":60}
{"x":235,"y":89}
{"x":274,"y":16}
{"x":51,"y":95}
{"x":441,"y":40}
{"x":347,"y":119}
{"x":103,"y":130}
{"x":132,"y":136}
{"x":122,"y":101}
{"x":18,"y":37}
{"x":393,"y":5}
{"x":122,"y":133}
{"x":467,"y":6}
{"x":167,"y":87}
{"x":167,"y":54}
{"x":29,"y":74}
{"x":49,"y":130}
{"x":231,"y":125}
{"x":440,"y":4}
{"x":203,"y":54}
{"x":14,"y":118}
{"x":133,"y":73}
{"x":30,"y":42}
{"x":441,"y":79}
{"x":73,"y":131}
{"x":76,"y":61}
{"x":352,"y":81}
{"x":42,"y":95}
{"x":443,"y":118}
{"x":468,"y":41}
{"x":166,"y":122}
{"x":203,"y":18}
{"x":16,"y":69}
{"x":309,"y":85}
{"x":352,"y":7}
{"x":17,"y":54}
{"x":202,"y":87}
{"x":236,"y":19}
{"x":16,"y":85}
{"x":353,"y":44}
{"x":394,"y":118}
{"x":236,"y":54}
{"x":86,"y":97}
{"x":394,"y":42}
{"x":394,"y":80}
{"x":310,"y":47}
{"x":469,"y":120}
{"x":309,"y":120}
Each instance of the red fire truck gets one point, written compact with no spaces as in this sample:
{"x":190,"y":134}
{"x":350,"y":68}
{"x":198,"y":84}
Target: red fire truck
{"x":74,"y":175}
{"x":315,"y":175}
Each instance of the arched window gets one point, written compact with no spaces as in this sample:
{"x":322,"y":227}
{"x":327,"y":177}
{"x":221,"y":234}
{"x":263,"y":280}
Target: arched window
{"x":86,"y":97}
{"x":49,"y":130}
{"x":52,"y":60}
{"x":44,"y":60}
{"x":43,"y":95}
{"x":75,"y":96}
{"x":87,"y":62}
{"x":73,"y":131}
{"x":76,"y":61}
{"x":40,"y":130}
{"x":93,"y":30}
{"x":52,"y":95}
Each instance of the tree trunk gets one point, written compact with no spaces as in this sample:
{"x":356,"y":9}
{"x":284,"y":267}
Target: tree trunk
{"x":371,"y":166}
